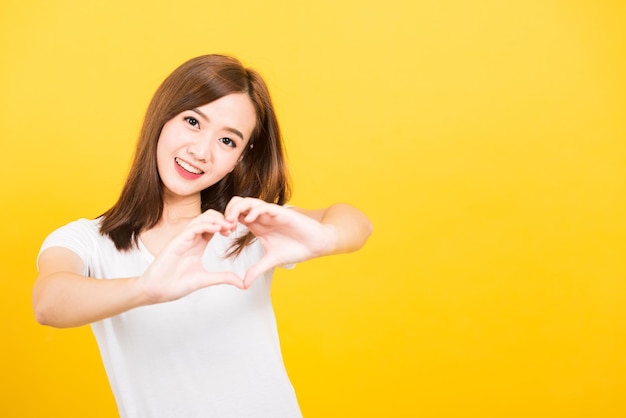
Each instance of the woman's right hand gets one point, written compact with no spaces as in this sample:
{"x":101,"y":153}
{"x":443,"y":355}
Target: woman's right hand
{"x":63,"y":297}
{"x":178,"y":270}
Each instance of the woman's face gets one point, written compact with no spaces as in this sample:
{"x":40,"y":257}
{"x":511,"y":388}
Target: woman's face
{"x":198,"y":147}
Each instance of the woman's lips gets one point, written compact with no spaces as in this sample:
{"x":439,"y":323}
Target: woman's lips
{"x":187,"y":170}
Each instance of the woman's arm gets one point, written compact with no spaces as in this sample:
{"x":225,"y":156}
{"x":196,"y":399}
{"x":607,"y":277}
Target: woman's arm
{"x":63,"y":297}
{"x":291,"y":235}
{"x":353,"y":228}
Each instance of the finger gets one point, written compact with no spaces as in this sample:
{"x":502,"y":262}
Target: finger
{"x":239,"y":206}
{"x":257,"y":270}
{"x":222,"y":277}
{"x":205,"y":230}
{"x":215,"y":222}
{"x":199,"y":231}
{"x":233,"y":201}
{"x":211,"y":216}
{"x":259,"y":210}
{"x":233,"y":208}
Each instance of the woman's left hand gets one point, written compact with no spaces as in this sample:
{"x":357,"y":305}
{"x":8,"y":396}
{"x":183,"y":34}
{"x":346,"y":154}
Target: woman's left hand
{"x":287,"y":236}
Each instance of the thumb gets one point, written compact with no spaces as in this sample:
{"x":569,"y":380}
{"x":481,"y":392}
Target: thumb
{"x":224,"y":277}
{"x":264,"y":265}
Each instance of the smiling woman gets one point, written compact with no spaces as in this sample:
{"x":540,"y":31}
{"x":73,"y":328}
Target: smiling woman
{"x":202,"y":208}
{"x":189,"y":150}
{"x":199,"y":82}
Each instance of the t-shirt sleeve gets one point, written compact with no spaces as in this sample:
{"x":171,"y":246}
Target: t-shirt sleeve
{"x":77,"y":236}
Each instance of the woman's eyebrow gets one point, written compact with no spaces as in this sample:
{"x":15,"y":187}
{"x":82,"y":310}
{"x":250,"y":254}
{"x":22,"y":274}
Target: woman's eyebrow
{"x":206,"y":119}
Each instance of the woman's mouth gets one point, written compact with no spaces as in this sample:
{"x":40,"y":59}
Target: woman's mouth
{"x":186,"y":169}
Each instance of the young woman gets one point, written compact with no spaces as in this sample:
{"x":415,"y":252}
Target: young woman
{"x":175,"y":277}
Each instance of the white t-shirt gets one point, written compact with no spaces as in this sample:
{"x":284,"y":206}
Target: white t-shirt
{"x":213,"y":353}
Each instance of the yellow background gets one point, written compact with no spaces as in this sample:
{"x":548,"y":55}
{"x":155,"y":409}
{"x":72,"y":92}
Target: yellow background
{"x":486,"y":140}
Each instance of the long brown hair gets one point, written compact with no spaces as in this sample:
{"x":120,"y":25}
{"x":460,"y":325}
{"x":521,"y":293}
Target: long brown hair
{"x":262,"y":172}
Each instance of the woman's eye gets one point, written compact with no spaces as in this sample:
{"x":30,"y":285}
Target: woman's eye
{"x":192,"y":121}
{"x":229,"y":142}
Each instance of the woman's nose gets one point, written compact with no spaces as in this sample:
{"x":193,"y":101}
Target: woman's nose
{"x":200,"y":149}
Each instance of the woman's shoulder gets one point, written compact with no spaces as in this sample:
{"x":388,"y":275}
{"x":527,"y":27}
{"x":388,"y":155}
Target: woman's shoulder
{"x":78,"y":233}
{"x":81,"y":226}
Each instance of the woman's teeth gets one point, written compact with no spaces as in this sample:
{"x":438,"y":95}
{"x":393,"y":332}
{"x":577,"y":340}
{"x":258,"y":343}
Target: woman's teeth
{"x":188,"y":167}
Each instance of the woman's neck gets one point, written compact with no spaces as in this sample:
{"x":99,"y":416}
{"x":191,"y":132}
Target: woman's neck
{"x":175,"y":211}
{"x":176,"y":215}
